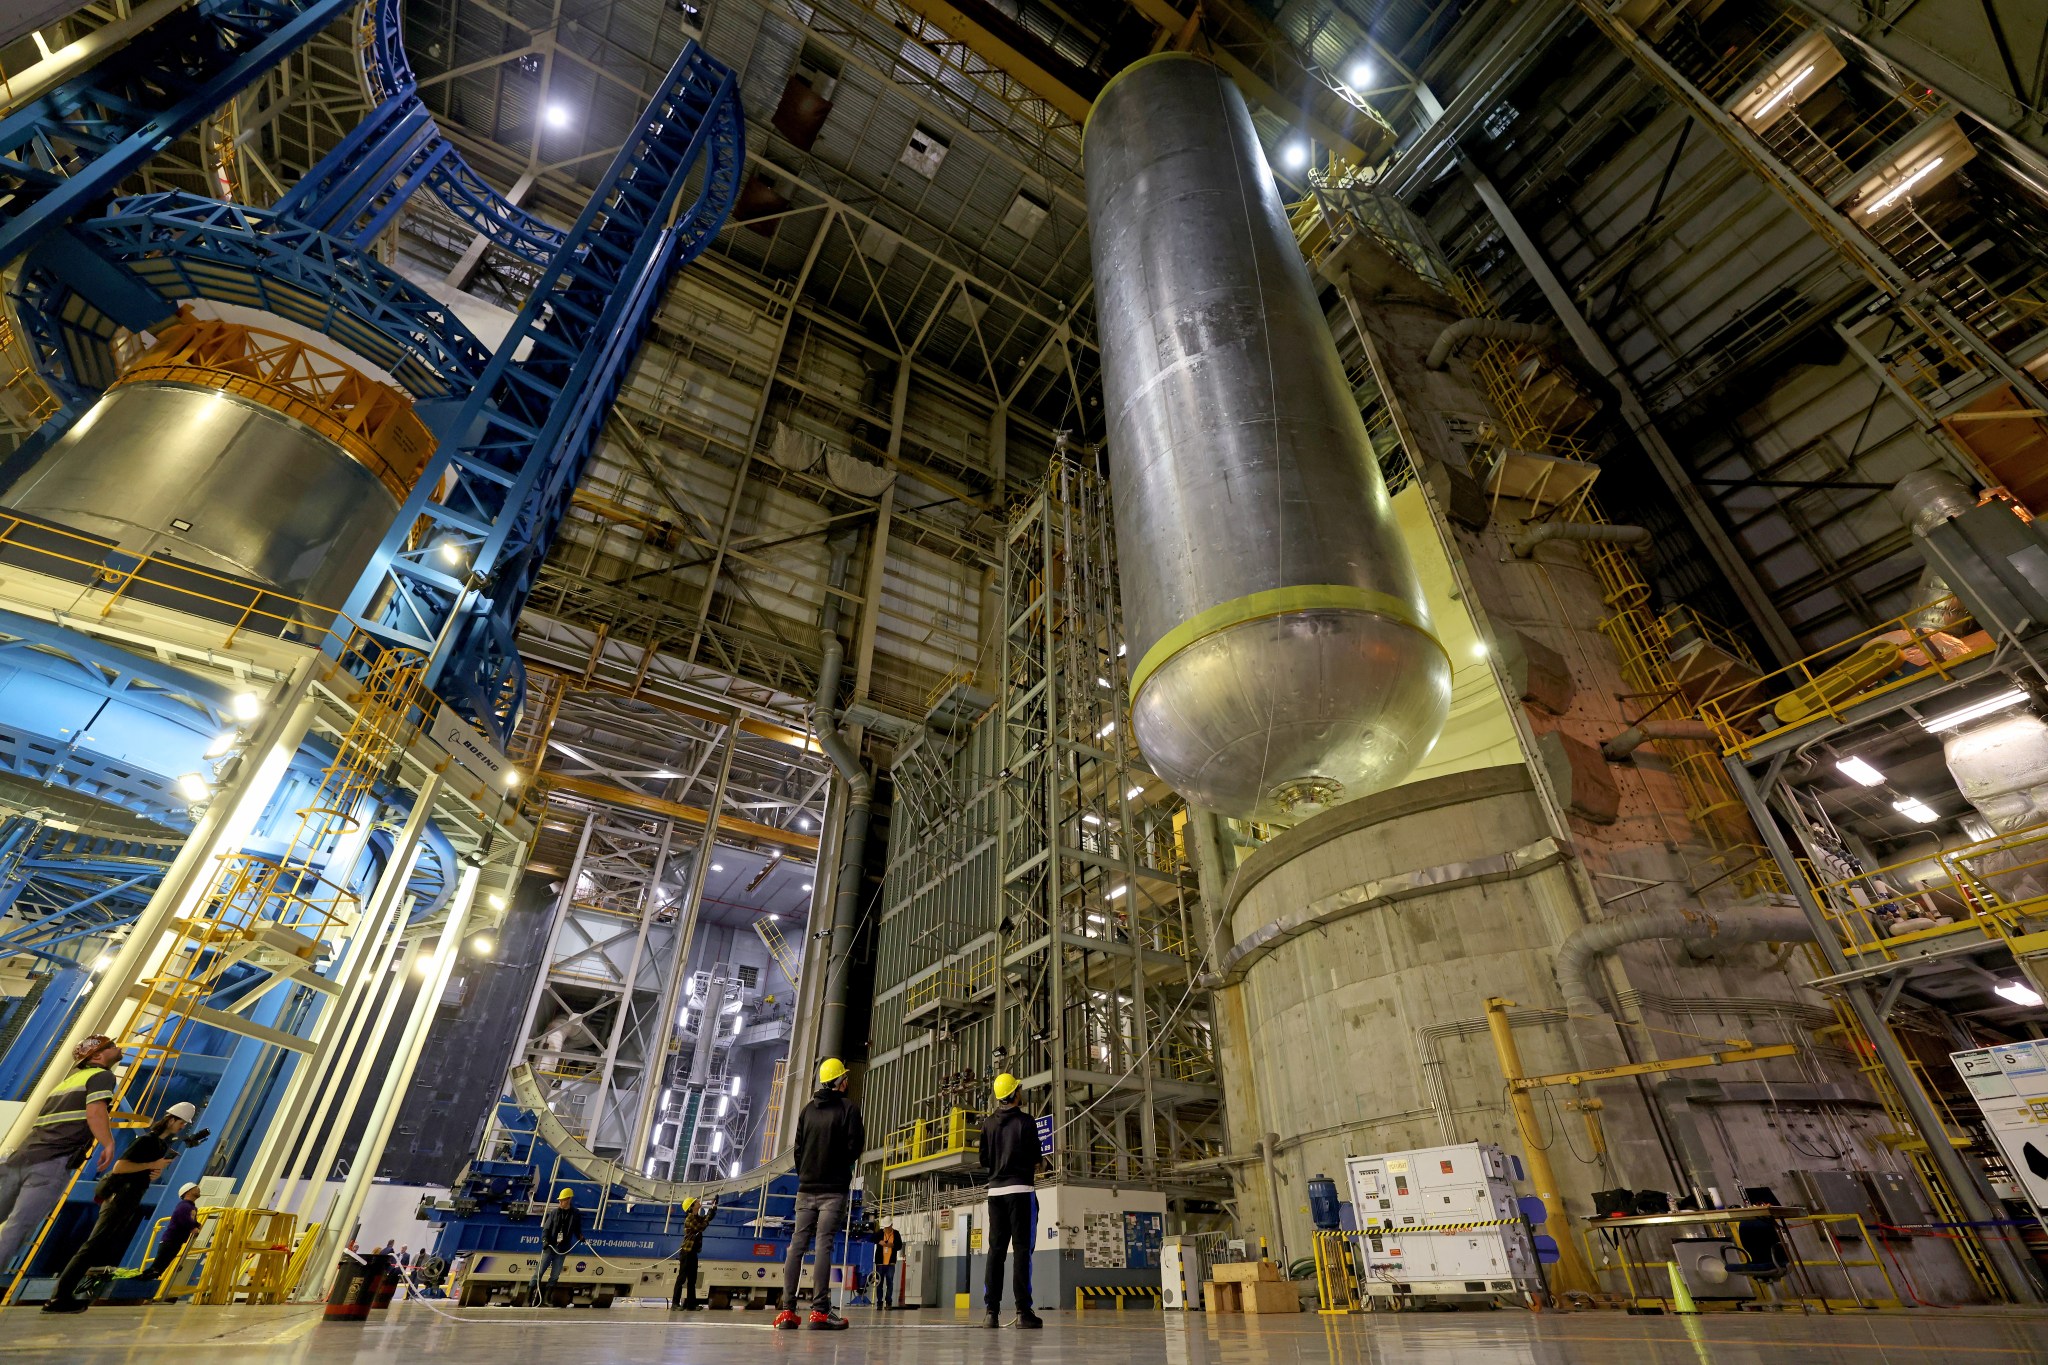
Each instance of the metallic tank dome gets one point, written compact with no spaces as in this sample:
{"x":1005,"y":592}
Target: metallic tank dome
{"x":1283,"y":658}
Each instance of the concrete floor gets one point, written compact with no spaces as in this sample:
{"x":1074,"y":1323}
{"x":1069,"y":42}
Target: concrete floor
{"x":415,"y":1332}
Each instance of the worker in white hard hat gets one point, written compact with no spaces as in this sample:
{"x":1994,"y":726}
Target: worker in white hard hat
{"x":560,"y":1231}
{"x":829,"y":1139}
{"x":1009,"y":1153}
{"x":119,"y":1196}
{"x":182,"y":1222}
{"x":697,"y":1216}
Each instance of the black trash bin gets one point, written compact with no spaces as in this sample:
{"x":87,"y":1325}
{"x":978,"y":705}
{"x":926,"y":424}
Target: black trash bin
{"x":355,"y":1285}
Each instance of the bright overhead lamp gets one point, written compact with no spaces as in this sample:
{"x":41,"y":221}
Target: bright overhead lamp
{"x":512,"y":778}
{"x":1134,"y":793}
{"x":451,"y":551}
{"x":718,"y":867}
{"x":193,"y":787}
{"x":1858,"y":770}
{"x":1114,"y":892}
{"x":803,"y":822}
{"x":481,"y":945}
{"x":1963,"y":715}
{"x":1106,"y":730}
{"x":497,"y":901}
{"x":1787,"y":88}
{"x":245,"y":706}
{"x":1091,"y":818}
{"x":2019,"y":992}
{"x":1360,"y":74}
{"x":222,"y":742}
{"x":557,"y":116}
{"x":1102,"y":682}
{"x":807,"y":886}
{"x":106,"y":960}
{"x":1913,"y":808}
{"x":1898,"y":191}
{"x":1294,"y":155}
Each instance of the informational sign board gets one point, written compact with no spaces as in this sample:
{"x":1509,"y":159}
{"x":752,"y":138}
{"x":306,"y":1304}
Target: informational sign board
{"x":469,"y":747}
{"x":2010,"y":1085}
{"x":1045,"y":1134}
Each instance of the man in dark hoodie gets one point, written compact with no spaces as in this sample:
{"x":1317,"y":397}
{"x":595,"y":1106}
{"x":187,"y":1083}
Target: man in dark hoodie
{"x":829,"y":1139}
{"x":1009,"y":1153}
{"x":560,"y":1231}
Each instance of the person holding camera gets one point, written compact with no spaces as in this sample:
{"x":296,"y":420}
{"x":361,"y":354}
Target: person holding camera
{"x":73,"y":1123}
{"x":120,"y":1199}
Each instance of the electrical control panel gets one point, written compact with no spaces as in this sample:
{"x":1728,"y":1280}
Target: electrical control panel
{"x":1440,"y":1223}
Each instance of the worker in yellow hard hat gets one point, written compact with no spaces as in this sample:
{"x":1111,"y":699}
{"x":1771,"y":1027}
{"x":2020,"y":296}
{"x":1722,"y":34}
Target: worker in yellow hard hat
{"x":560,"y":1231}
{"x":829,"y":1139}
{"x":1009,"y":1153}
{"x":697,"y":1216}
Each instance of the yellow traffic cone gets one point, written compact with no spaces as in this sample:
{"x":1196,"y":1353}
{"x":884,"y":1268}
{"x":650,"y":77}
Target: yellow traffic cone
{"x":1681,"y":1297}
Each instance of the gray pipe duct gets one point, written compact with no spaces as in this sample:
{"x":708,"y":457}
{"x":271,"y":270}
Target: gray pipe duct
{"x":1643,"y":732}
{"x":1453,"y":338}
{"x":1578,"y":533}
{"x":1584,"y":946}
{"x":1927,"y":497}
{"x":860,"y":786}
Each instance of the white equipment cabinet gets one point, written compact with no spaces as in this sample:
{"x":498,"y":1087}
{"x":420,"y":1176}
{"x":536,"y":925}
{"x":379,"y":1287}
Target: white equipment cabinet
{"x":1440,"y":1223}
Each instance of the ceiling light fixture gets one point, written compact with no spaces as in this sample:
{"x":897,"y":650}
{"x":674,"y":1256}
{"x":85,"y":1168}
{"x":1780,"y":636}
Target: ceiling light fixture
{"x":1858,"y":770}
{"x":1106,"y":730}
{"x":1360,"y":74}
{"x":2019,"y":992}
{"x":718,"y":867}
{"x":193,"y":787}
{"x":451,"y":552}
{"x":557,"y":116}
{"x":1962,"y":715}
{"x":222,"y":742}
{"x":1787,"y":88}
{"x":1913,"y":808}
{"x":1294,"y":155}
{"x":246,"y":706}
{"x":1899,"y":190}
{"x":1134,"y":793}
{"x":1114,"y":892}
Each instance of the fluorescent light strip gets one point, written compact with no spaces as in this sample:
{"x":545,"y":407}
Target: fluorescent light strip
{"x":1962,"y":715}
{"x":1913,"y":808}
{"x":1899,"y":189}
{"x":1783,"y":91}
{"x":1860,"y":771}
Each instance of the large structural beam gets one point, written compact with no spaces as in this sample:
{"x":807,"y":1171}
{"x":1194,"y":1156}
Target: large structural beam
{"x":676,"y":810}
{"x":1990,"y":63}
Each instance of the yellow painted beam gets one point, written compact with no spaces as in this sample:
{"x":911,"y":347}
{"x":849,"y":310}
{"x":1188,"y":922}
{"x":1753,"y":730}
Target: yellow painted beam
{"x":1609,"y":1073}
{"x":999,"y":53}
{"x":676,"y":810}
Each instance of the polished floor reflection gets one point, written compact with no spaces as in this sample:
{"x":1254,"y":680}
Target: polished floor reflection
{"x":414,"y":1332}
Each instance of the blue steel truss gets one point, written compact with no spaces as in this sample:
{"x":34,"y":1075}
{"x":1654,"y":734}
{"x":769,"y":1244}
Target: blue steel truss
{"x":63,"y":153}
{"x":132,"y":268}
{"x":61,"y":889}
{"x":522,"y":439}
{"x":358,"y":188}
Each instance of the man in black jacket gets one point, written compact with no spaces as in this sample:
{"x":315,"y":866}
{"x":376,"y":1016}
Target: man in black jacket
{"x":560,"y":1231}
{"x":1009,"y":1153}
{"x":829,"y":1139}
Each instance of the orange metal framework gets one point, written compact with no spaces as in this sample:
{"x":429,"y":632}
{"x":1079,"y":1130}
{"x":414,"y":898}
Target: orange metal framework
{"x":372,"y":421}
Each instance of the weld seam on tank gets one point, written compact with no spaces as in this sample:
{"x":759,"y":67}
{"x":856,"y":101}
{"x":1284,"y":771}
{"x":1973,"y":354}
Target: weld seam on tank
{"x":1259,"y":606}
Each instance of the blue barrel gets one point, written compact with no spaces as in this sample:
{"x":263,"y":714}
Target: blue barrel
{"x":1322,"y":1203}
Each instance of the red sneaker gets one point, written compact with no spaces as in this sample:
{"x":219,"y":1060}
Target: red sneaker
{"x":828,"y":1321}
{"x":787,"y":1319}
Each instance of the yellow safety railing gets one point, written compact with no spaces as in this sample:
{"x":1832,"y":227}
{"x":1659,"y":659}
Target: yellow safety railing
{"x":1824,"y":685}
{"x":771,"y":1126}
{"x":961,"y":980}
{"x":1996,"y":886}
{"x":925,"y":1139}
{"x":31,"y":398}
{"x":1641,"y":639}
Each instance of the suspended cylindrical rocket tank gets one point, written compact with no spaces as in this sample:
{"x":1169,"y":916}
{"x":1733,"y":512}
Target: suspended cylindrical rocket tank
{"x":1282,"y":655}
{"x":240,"y":453}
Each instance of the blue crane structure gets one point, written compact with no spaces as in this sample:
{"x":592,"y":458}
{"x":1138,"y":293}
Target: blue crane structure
{"x":515,"y":428}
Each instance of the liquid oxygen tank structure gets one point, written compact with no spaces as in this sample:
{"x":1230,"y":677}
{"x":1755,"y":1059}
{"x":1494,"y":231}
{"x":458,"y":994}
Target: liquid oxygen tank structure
{"x":1282,"y":655}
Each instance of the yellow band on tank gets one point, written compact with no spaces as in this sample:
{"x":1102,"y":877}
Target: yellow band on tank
{"x":1110,"y":85}
{"x":1259,"y":606}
